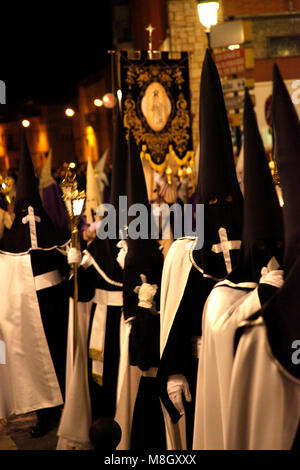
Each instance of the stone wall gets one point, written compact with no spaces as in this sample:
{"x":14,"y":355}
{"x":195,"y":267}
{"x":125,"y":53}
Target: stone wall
{"x":187,"y":34}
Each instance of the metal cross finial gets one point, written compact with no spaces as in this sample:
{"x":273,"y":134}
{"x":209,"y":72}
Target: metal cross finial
{"x":150,"y":30}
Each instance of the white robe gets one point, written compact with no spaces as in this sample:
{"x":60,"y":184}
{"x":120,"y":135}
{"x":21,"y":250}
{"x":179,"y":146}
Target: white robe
{"x":76,"y":419}
{"x":264,"y":403}
{"x":127,"y":388}
{"x":227,"y":305}
{"x":28,"y":380}
{"x":177,"y":267}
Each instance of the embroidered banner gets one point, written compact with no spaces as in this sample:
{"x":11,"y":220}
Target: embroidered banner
{"x":156,"y":106}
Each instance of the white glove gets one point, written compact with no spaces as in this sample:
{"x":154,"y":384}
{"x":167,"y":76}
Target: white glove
{"x":273,"y":278}
{"x":146,"y":293}
{"x":177,"y":384}
{"x":122,"y":244}
{"x":74,"y":256}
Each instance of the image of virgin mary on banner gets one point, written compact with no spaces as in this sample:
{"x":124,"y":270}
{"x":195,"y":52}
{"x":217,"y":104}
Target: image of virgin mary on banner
{"x":156,"y":106}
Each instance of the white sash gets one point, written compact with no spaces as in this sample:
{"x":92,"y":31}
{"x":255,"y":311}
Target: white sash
{"x":50,"y":279}
{"x":103,"y":299}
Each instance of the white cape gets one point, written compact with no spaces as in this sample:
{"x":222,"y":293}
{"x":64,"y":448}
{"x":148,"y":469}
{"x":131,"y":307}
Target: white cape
{"x":127,"y":388}
{"x":177,"y":267}
{"x":264,"y":399}
{"x":76,"y":418}
{"x":224,"y":309}
{"x":28,"y":380}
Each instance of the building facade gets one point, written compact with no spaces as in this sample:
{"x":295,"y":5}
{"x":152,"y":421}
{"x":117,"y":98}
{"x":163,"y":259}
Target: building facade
{"x":88,"y":134}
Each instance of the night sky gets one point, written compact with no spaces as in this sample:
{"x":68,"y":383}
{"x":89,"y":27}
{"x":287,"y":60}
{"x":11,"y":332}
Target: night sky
{"x":47,"y":48}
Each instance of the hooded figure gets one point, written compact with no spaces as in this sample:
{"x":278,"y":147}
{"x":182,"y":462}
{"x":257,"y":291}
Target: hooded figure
{"x":39,"y":302}
{"x":190,"y":272}
{"x":237,"y":297}
{"x":218,"y":188}
{"x":139,"y":413}
{"x":52,"y":198}
{"x":101,"y":177}
{"x":93,"y":377}
{"x":267,"y":353}
{"x":263,"y":224}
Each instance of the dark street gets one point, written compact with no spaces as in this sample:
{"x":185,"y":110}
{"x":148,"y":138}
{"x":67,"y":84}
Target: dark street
{"x":15,"y":435}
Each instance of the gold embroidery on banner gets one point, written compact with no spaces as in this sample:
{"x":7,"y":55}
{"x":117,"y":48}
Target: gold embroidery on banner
{"x":156,"y":166}
{"x":175,"y":133}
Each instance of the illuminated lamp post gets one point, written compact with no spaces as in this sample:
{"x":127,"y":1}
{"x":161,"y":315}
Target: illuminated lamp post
{"x":208,"y":16}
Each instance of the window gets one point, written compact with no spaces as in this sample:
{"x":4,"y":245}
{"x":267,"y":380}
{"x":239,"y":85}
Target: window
{"x":283,"y":46}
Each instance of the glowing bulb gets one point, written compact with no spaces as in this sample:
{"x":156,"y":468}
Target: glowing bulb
{"x":78,"y":206}
{"x":119,"y":94}
{"x":169,"y":174}
{"x":272,"y":165}
{"x":25,"y":123}
{"x":208,"y":13}
{"x":69,"y":112}
{"x":98,"y":102}
{"x":109,"y":100}
{"x":72,"y":165}
{"x":232,"y":47}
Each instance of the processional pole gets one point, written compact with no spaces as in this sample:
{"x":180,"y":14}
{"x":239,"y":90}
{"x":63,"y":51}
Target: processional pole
{"x":74,"y":202}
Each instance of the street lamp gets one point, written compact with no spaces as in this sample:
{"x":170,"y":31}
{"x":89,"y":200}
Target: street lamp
{"x":25,"y":123}
{"x":69,"y":112}
{"x":74,"y":201}
{"x":208,"y":16}
{"x":98,"y":102}
{"x":109,"y":100}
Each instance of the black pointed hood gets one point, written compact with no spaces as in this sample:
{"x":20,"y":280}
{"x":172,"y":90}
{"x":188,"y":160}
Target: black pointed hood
{"x":217,"y":176}
{"x":105,"y":251}
{"x":263,"y":224}
{"x":119,"y":161}
{"x":45,"y":235}
{"x":281,"y":313}
{"x":144,"y":257}
{"x":218,"y":188}
{"x":27,"y":193}
{"x":139,"y":250}
{"x":287,"y":154}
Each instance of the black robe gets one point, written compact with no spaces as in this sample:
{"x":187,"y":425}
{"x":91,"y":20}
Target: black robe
{"x":54,"y":306}
{"x":180,"y":353}
{"x":103,"y":397}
